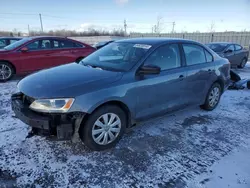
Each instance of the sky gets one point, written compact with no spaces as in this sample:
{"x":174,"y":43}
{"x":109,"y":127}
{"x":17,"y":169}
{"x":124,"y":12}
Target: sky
{"x":140,"y":15}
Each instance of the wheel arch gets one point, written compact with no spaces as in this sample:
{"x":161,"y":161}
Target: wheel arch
{"x":221,"y":82}
{"x":13,"y":66}
{"x":118,"y":103}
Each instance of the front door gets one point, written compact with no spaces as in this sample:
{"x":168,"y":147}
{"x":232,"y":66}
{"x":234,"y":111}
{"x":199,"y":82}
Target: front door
{"x":37,"y":57}
{"x":164,"y":92}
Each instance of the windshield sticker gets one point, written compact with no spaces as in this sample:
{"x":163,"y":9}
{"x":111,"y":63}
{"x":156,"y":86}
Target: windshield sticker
{"x":144,"y":46}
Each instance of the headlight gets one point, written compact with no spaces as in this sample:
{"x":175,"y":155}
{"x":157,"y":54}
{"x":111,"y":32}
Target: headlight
{"x":52,"y":105}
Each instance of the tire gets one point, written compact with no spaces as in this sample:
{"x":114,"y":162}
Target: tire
{"x":209,"y":105}
{"x":243,"y":63}
{"x":93,"y":135}
{"x":6,"y":71}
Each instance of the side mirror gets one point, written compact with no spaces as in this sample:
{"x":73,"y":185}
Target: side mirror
{"x":149,"y":69}
{"x":24,"y":49}
{"x":229,"y":51}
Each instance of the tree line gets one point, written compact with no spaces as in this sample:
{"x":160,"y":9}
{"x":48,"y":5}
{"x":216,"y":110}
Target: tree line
{"x":65,"y":33}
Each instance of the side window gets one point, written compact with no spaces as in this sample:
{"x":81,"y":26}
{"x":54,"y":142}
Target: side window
{"x":13,"y":40}
{"x":33,"y":46}
{"x":238,"y":47}
{"x":231,"y":47}
{"x":56,"y":44}
{"x":66,"y":44}
{"x":2,"y":43}
{"x":166,"y":57}
{"x":194,"y":54}
{"x":45,"y":44}
{"x":77,"y":45}
{"x":209,"y":57}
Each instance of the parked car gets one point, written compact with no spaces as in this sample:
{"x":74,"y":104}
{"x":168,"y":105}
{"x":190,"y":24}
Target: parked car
{"x":5,"y":41}
{"x":102,"y":44}
{"x":108,"y":92}
{"x":36,"y":53}
{"x":235,"y":53}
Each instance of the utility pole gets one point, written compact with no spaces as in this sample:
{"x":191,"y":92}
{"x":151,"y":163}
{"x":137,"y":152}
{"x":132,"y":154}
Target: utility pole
{"x":125,"y":27}
{"x":173,"y":27}
{"x":159,"y":24}
{"x":28,"y":30}
{"x":41,"y":22}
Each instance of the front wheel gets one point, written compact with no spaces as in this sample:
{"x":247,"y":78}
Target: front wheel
{"x":213,"y":97}
{"x":104,"y":128}
{"x":6,"y":71}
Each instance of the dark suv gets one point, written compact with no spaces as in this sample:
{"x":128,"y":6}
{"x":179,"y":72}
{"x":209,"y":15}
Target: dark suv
{"x":118,"y":85}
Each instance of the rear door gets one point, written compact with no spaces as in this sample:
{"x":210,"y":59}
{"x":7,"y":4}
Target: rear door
{"x":230,"y":54}
{"x":200,"y":72}
{"x":65,"y":51}
{"x":239,"y":54}
{"x":164,"y":92}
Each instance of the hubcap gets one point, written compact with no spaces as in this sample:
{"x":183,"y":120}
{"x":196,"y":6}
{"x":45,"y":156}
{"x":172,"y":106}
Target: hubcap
{"x":5,"y":72}
{"x":214,"y":96}
{"x":106,"y":128}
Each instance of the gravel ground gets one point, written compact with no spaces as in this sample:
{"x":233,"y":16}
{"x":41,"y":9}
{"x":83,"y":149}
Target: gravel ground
{"x":191,"y":148}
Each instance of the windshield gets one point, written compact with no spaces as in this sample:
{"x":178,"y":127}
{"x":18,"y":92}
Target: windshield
{"x":217,"y":47}
{"x":117,"y":56}
{"x":17,"y":44}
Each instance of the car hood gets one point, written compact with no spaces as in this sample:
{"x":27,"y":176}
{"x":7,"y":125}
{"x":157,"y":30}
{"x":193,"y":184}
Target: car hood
{"x":69,"y":80}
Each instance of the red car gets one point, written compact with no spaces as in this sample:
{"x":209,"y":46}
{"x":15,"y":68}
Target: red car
{"x":35,"y":53}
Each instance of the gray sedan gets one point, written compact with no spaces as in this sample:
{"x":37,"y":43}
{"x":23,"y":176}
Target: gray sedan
{"x":123,"y":83}
{"x":235,"y":53}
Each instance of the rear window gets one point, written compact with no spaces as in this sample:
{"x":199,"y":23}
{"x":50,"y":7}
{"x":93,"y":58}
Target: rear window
{"x":238,"y":47}
{"x":66,"y":44}
{"x":217,"y":47}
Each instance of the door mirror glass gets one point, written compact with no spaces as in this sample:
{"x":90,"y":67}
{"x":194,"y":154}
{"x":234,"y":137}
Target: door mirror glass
{"x":24,"y":49}
{"x":149,"y":69}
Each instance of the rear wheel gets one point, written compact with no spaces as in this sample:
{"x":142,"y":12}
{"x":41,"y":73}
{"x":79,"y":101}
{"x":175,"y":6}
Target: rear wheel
{"x":213,"y":97}
{"x":243,"y":63}
{"x":6,"y":71}
{"x":104,"y":128}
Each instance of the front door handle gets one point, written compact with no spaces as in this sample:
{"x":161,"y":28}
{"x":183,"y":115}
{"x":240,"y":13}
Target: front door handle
{"x":181,"y":77}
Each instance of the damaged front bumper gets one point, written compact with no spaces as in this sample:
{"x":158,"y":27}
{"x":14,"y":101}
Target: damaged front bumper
{"x":61,"y":126}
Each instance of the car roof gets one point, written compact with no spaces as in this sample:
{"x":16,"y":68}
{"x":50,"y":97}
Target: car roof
{"x":38,"y":37}
{"x":220,"y":43}
{"x":153,"y":41}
